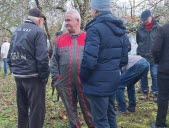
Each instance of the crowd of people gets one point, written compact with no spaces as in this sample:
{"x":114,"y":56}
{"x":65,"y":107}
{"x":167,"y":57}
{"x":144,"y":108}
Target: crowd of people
{"x":90,"y":67}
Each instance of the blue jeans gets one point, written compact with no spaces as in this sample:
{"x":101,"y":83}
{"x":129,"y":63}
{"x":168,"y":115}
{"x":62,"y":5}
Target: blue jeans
{"x":102,"y":111}
{"x":5,"y":66}
{"x":144,"y":80}
{"x":128,"y":79}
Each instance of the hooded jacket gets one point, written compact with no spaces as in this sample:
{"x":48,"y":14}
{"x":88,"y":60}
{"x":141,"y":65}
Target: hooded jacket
{"x":105,"y":52}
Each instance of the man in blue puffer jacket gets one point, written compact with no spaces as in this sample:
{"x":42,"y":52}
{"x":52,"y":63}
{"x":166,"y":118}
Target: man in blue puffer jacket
{"x":105,"y":52}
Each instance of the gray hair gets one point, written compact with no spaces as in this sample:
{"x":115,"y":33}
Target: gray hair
{"x":75,"y":14}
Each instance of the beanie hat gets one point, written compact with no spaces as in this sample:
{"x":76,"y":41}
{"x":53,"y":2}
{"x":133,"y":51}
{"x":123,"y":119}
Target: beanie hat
{"x":101,"y":5}
{"x":35,"y":12}
{"x":145,"y":14}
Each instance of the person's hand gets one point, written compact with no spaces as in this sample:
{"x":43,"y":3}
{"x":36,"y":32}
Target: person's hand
{"x":123,"y":69}
{"x":53,"y":83}
{"x":45,"y":81}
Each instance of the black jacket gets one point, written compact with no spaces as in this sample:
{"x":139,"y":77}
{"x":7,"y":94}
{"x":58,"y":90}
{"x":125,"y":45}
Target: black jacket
{"x":28,"y":54}
{"x":145,"y":40}
{"x":160,"y":49}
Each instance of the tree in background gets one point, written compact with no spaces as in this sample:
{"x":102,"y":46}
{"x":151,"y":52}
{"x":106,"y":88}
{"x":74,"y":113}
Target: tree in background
{"x":14,"y":12}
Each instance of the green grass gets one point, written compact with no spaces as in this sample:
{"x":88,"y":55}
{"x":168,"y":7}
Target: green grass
{"x":145,"y":110}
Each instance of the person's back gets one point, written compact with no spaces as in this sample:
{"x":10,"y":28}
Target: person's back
{"x":111,"y":33}
{"x":104,"y":54}
{"x":162,"y":55}
{"x":26,"y":50}
{"x":160,"y":52}
{"x":28,"y":59}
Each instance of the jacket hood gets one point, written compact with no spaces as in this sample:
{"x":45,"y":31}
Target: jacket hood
{"x":111,"y":21}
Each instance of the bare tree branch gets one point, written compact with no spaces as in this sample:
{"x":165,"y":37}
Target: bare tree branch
{"x":45,"y":24}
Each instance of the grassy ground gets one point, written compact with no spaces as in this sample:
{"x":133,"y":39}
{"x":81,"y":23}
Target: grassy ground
{"x":55,"y":112}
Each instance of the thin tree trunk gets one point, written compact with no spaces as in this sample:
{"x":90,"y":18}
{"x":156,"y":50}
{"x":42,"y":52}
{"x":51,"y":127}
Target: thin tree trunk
{"x":46,"y":25}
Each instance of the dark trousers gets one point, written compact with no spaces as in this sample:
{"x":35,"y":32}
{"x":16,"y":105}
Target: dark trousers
{"x":30,"y":102}
{"x":102,"y":110}
{"x":163,"y":98}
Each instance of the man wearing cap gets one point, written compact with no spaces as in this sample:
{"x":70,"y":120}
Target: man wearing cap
{"x":105,"y":52}
{"x":145,"y":37}
{"x":28,"y":59}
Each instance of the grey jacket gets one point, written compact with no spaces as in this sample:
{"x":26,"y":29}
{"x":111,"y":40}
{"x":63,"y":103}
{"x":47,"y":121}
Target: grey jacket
{"x":66,"y":58}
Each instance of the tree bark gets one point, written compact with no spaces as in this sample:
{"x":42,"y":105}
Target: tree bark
{"x":45,"y":24}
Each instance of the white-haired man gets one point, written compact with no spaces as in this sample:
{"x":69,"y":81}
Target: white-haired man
{"x":28,"y":59}
{"x":65,"y":69}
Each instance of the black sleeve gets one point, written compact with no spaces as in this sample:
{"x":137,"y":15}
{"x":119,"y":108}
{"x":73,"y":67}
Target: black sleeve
{"x":42,"y":56}
{"x":9,"y":52}
{"x":156,"y":50}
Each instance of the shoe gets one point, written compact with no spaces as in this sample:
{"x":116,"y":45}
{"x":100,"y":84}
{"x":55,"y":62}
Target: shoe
{"x":121,"y":112}
{"x":153,"y":125}
{"x":10,"y":74}
{"x":4,"y":76}
{"x":143,"y":97}
{"x":155,"y":99}
{"x":139,"y":90}
{"x":131,"y":108}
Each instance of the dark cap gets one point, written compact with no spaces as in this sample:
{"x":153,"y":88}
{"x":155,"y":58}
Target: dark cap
{"x":145,"y":14}
{"x":35,"y":12}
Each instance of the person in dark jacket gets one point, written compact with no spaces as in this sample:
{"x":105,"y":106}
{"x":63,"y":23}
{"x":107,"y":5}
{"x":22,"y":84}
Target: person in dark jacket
{"x":28,"y":59}
{"x":145,"y":37}
{"x":65,"y":69}
{"x":104,"y":53}
{"x":160,"y":52}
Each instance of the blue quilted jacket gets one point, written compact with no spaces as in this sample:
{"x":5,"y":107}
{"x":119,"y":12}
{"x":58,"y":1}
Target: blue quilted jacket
{"x":105,"y":52}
